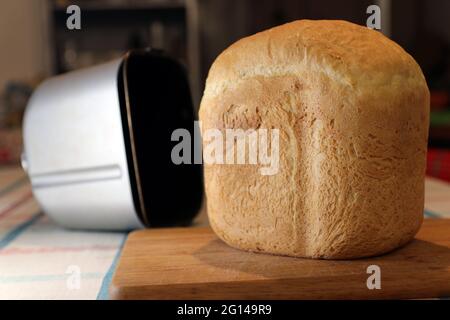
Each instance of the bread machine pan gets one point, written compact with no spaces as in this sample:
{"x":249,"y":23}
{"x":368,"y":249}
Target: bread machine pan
{"x":97,"y":145}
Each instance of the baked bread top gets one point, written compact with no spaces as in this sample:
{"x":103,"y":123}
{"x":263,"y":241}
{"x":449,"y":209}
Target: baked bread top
{"x":321,"y":46}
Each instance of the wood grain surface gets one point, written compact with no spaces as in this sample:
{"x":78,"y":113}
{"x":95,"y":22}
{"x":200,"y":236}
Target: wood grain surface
{"x":192,"y":263}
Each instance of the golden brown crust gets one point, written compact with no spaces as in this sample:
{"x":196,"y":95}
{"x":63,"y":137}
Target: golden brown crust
{"x":345,"y":52}
{"x":352,"y":108}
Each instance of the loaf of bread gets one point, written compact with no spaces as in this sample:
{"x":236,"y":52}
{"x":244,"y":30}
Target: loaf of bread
{"x":352,"y":110}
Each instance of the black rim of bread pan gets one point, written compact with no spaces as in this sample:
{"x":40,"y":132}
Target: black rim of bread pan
{"x":155,"y":100}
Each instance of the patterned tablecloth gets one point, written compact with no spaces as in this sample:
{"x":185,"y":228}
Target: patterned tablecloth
{"x":39,"y":260}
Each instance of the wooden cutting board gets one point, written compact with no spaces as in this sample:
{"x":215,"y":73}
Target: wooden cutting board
{"x":192,"y":263}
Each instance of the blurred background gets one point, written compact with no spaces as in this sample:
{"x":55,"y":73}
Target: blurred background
{"x":35,"y":44}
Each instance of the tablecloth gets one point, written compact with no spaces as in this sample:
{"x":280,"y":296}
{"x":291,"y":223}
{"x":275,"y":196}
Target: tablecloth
{"x":40,"y":260}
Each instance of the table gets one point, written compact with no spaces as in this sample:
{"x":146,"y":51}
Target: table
{"x":39,"y":260}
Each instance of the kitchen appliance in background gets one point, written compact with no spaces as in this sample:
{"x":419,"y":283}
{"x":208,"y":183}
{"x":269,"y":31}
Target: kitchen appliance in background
{"x":97,"y":145}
